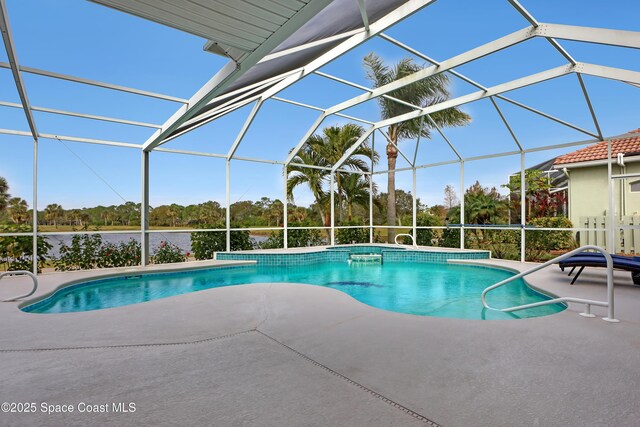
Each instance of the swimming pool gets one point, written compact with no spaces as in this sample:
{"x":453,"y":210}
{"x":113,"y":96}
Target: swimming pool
{"x":427,"y":289}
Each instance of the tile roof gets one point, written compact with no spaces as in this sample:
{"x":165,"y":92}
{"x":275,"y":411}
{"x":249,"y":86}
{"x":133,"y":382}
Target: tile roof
{"x":598,"y":151}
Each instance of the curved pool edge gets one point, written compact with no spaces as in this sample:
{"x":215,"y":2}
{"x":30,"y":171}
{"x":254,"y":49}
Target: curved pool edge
{"x":484,"y":263}
{"x":243,"y":258}
{"x":104,"y":274}
{"x":96,"y":279}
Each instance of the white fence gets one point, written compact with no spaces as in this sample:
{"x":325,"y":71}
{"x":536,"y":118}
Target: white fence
{"x":627,"y":239}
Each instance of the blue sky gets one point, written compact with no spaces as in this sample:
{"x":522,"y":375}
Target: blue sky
{"x":87,"y":40}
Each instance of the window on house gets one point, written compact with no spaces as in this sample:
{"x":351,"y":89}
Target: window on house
{"x":635,"y":186}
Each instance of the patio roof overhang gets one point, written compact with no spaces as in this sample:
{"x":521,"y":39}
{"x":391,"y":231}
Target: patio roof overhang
{"x":267,"y":44}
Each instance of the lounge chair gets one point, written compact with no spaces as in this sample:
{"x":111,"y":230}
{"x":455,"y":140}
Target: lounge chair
{"x":592,"y":259}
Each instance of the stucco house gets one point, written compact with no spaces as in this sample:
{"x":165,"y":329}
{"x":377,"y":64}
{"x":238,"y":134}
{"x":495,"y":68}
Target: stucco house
{"x":588,"y":182}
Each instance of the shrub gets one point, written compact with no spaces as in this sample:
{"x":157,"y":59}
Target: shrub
{"x":345,"y":236}
{"x":427,"y":237}
{"x":205,"y":243}
{"x":295,"y":238}
{"x":167,"y":253}
{"x":124,"y":254}
{"x":450,"y":238}
{"x":16,"y":252}
{"x":241,"y":241}
{"x":88,"y":251}
{"x":542,"y":242}
{"x":82,"y":254}
{"x":503,"y":244}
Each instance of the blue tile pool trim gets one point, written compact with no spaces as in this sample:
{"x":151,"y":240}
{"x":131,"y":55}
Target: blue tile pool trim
{"x":341,"y":254}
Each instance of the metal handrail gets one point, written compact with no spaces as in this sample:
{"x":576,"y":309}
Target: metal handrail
{"x":21,"y":273}
{"x":404,"y":234}
{"x":587,"y":313}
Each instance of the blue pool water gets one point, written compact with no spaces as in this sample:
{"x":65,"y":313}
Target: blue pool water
{"x":428,"y":289}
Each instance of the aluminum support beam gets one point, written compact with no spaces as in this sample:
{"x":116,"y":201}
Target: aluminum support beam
{"x":548,"y":116}
{"x":475,"y":96}
{"x":81,"y":115}
{"x":373,"y":147}
{"x":480,"y":86}
{"x":209,"y":118}
{"x":402,"y":12}
{"x":525,"y":13}
{"x":462,"y":192}
{"x":230,"y":105}
{"x":364,"y":88}
{"x":313,"y":107}
{"x":7,"y":38}
{"x":352,"y":149}
{"x":506,"y":123}
{"x":310,"y":45}
{"x":396,"y":146}
{"x":71,"y":138}
{"x":191,"y":153}
{"x":285,"y":202}
{"x":228,"y":204}
{"x":293,"y":153}
{"x":363,"y":13}
{"x":415,"y":152}
{"x":429,"y":59}
{"x":244,"y":129}
{"x":611,"y":238}
{"x":509,"y":153}
{"x":375,"y":28}
{"x":96,"y":83}
{"x":332,"y":186}
{"x":34,"y":206}
{"x":503,"y":43}
{"x":435,"y":125}
{"x":232,"y":71}
{"x":144,"y":210}
{"x":605,"y":36}
{"x":591,"y":110}
{"x":414,"y":204}
{"x":456,"y":61}
{"x":222,"y":109}
{"x":392,"y":18}
{"x":523,"y":207}
{"x":619,"y":74}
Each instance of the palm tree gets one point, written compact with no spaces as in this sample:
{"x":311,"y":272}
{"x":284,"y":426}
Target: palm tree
{"x":331,"y":146}
{"x":53,"y":213}
{"x":326,"y":150}
{"x":355,"y":188}
{"x":275,"y":211}
{"x":4,"y":193}
{"x":106,"y":215}
{"x":18,"y":210}
{"x":173,"y":212}
{"x":313,"y":178}
{"x":429,"y":91}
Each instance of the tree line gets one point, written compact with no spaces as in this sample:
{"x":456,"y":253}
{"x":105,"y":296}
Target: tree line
{"x":266,"y":212}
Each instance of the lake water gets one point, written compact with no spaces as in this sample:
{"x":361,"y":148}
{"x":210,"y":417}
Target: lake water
{"x":182,"y":240}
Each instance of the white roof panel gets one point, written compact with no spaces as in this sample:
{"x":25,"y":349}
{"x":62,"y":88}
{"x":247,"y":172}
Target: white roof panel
{"x":233,"y":27}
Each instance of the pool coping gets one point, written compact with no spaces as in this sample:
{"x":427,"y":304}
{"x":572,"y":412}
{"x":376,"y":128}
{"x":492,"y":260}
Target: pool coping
{"x":96,"y":275}
{"x":218,"y":264}
{"x":109,"y":273}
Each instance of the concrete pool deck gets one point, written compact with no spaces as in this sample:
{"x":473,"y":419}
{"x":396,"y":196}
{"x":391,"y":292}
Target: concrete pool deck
{"x":285,"y":354}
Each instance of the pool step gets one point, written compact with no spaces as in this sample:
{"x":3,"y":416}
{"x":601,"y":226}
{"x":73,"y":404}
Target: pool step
{"x":365,"y":258}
